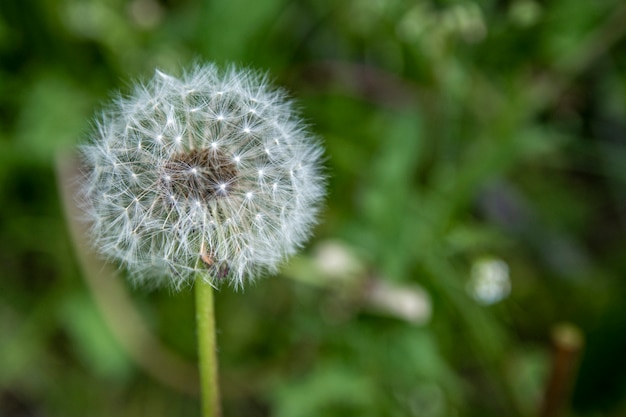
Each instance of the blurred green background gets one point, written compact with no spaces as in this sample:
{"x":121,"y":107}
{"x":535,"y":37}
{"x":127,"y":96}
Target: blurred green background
{"x":474,"y":233}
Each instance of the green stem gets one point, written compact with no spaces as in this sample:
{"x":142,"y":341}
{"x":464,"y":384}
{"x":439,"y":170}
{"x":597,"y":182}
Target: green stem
{"x":207,"y":353}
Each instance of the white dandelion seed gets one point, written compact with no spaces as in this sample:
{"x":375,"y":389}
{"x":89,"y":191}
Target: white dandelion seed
{"x":203,"y":196}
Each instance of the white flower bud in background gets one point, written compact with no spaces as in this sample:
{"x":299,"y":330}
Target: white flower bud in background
{"x":336,"y":260}
{"x":407,"y":302}
{"x":489,"y":282}
{"x":212,"y":173}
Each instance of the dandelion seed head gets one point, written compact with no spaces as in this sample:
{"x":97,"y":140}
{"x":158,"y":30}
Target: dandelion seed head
{"x":168,"y":183}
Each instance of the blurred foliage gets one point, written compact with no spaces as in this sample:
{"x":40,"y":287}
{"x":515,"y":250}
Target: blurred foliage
{"x":455,"y":130}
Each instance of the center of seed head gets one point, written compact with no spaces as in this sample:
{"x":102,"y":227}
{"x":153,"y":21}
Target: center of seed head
{"x":198,"y":174}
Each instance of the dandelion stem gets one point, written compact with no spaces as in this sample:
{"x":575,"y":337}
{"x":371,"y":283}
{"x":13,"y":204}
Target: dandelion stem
{"x":207,"y":354}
